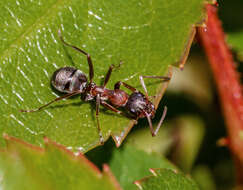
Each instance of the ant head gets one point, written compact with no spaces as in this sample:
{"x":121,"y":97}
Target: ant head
{"x":139,"y":106}
{"x":150,"y":109}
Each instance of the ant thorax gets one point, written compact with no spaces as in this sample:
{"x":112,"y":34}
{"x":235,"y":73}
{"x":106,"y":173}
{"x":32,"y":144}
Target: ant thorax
{"x":69,"y":79}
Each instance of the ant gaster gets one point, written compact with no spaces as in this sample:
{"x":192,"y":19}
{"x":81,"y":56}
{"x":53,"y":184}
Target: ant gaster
{"x":73,"y":81}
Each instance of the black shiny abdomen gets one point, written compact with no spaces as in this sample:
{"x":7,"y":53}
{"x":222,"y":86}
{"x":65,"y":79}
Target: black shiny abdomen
{"x":137,"y":105}
{"x":69,"y":79}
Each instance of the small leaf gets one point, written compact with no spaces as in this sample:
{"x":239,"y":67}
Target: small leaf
{"x":129,"y":164}
{"x":54,"y":167}
{"x":236,"y":41}
{"x":181,"y":138}
{"x":190,"y":132}
{"x":161,"y":144}
{"x":204,"y":177}
{"x":166,"y":179}
{"x":148,"y":36}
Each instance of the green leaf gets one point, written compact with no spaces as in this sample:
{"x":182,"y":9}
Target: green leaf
{"x":193,"y":81}
{"x":190,"y":132}
{"x":161,"y":144}
{"x":129,"y":164}
{"x":166,"y":179}
{"x":184,"y":134}
{"x":54,"y":167}
{"x":204,"y":177}
{"x":148,"y":36}
{"x":236,"y":42}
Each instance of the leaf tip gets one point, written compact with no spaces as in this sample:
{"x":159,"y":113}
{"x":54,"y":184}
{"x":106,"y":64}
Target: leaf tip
{"x":118,"y":138}
{"x":138,"y":184}
{"x":153,"y":171}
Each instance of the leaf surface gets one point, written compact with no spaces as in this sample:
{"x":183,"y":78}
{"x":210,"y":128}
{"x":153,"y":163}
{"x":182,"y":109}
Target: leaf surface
{"x":166,"y":179}
{"x":148,"y":36}
{"x":129,"y":164}
{"x":53,"y":167}
{"x":236,"y":42}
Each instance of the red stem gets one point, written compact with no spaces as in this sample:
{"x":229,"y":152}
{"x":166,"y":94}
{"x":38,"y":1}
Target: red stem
{"x":226,"y":77}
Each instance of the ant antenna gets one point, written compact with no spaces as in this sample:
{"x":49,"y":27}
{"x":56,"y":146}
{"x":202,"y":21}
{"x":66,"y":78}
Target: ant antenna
{"x":161,"y":120}
{"x":141,"y":78}
{"x":154,"y":133}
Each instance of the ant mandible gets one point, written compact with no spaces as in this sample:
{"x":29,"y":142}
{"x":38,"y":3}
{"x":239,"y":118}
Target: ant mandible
{"x":73,"y":81}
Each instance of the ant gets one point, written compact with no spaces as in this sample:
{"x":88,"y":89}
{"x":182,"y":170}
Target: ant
{"x":73,"y":82}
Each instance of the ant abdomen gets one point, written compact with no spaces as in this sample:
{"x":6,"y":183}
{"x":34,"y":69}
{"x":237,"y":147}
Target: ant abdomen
{"x":68,"y":80}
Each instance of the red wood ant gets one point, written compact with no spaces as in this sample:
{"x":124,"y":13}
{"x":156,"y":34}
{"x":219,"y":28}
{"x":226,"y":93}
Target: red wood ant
{"x":73,"y":81}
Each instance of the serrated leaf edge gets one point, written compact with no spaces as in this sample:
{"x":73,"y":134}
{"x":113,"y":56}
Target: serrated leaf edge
{"x":154,"y":174}
{"x":82,"y":158}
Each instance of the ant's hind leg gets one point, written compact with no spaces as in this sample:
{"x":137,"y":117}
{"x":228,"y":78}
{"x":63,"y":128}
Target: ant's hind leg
{"x":97,"y":118}
{"x":55,"y":100}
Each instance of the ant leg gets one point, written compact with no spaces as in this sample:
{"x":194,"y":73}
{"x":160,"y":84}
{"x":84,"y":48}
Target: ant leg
{"x":97,"y":118}
{"x":157,"y":77}
{"x":55,"y":100}
{"x":161,"y":121}
{"x":119,"y":83}
{"x":91,"y":68}
{"x":108,"y":74}
{"x":141,"y":78}
{"x":110,"y":107}
{"x":144,"y":86}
